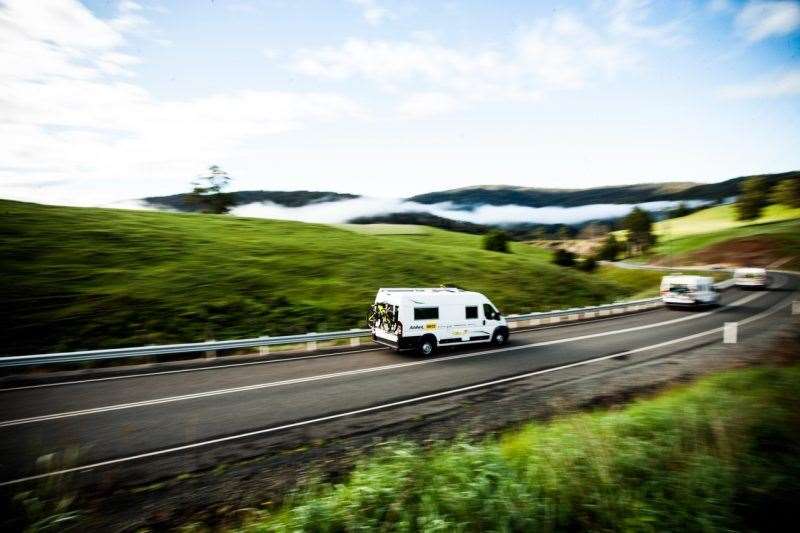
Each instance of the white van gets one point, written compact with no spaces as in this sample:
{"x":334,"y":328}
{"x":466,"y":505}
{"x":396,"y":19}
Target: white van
{"x":688,"y":291}
{"x":422,"y":319}
{"x":750,"y":277}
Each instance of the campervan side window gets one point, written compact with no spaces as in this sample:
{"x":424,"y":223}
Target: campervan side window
{"x":472,"y":311}
{"x":488,"y":311}
{"x":426,"y":313}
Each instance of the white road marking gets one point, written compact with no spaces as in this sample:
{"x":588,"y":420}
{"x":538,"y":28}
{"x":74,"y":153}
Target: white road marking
{"x":390,"y":405}
{"x":347,"y":373}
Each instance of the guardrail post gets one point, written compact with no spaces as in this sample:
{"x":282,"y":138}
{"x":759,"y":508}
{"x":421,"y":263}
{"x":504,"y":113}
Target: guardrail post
{"x":729,"y":333}
{"x":263,"y":350}
{"x":573,"y":317}
{"x":534,"y":321}
{"x":796,"y":307}
{"x":355,"y":341}
{"x":311,"y":346}
{"x":589,"y":314}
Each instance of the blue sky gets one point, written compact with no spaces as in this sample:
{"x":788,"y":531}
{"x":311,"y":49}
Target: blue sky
{"x":111,"y":100}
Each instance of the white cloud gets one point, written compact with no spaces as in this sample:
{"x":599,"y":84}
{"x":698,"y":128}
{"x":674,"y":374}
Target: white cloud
{"x":423,"y":105}
{"x":719,"y":6}
{"x":372,"y":12}
{"x":760,"y":20}
{"x":345,"y":210}
{"x":69,"y":109}
{"x":558,"y":52}
{"x":631,"y":18}
{"x":786,"y":84}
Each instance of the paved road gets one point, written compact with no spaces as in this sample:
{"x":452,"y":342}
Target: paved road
{"x":117,"y":418}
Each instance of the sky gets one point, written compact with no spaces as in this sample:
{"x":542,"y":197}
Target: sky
{"x":106,"y":101}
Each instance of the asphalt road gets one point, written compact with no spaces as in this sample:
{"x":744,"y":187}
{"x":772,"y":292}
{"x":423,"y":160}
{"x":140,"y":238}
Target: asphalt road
{"x":129,"y":418}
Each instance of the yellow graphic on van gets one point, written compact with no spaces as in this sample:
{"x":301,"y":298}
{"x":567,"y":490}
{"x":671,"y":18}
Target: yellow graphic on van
{"x":430,"y":326}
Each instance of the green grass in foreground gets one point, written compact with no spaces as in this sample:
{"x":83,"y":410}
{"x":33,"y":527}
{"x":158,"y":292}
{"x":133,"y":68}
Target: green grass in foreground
{"x":78,"y":278}
{"x":719,"y":455}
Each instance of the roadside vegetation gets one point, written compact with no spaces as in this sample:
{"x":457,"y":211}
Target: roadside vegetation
{"x":81,"y":278}
{"x":718,"y":455}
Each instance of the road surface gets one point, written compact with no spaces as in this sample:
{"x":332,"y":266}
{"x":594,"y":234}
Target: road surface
{"x":131,"y":419}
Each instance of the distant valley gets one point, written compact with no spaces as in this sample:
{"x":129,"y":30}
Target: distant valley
{"x":476,"y":209}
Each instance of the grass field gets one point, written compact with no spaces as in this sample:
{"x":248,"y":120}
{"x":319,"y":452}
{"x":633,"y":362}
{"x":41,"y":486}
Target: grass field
{"x":778,"y":231}
{"x":78,"y":278}
{"x":719,"y":218}
{"x":719,"y":455}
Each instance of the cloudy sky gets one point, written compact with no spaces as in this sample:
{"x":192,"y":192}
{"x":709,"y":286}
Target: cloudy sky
{"x":109,"y":100}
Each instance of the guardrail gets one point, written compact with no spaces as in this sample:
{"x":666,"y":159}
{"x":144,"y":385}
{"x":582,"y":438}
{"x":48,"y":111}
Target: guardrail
{"x":310,"y":339}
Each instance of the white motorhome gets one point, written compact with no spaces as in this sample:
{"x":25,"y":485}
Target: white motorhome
{"x":750,"y":278}
{"x":688,"y":291}
{"x":423,"y":319}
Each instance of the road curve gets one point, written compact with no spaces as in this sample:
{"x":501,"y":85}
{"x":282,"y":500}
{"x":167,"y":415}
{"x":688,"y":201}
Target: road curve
{"x":153,"y":413}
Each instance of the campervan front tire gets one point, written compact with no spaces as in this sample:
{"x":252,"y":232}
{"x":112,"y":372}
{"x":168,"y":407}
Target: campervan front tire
{"x":427,"y":345}
{"x":500,"y":337}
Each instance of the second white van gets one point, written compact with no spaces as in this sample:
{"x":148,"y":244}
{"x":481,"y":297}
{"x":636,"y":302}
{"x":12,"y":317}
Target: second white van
{"x":692,"y":291}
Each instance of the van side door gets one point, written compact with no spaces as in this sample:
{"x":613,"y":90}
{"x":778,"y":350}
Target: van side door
{"x":475,"y":327}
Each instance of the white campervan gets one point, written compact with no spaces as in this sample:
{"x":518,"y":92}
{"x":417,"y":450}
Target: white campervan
{"x":750,"y":278}
{"x":422,"y":319}
{"x":688,"y":290}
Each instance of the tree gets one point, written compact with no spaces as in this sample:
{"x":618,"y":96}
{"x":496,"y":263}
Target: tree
{"x":562,"y":257}
{"x":752,"y":198}
{"x":207,"y":192}
{"x":681,"y":211}
{"x":496,"y":241}
{"x":589,"y":264}
{"x":610,"y":249}
{"x":787,"y":192}
{"x":639,"y":226}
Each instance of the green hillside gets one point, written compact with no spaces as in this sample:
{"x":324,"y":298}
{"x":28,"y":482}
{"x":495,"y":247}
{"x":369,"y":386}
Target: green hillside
{"x":715,"y":236}
{"x":78,"y":278}
{"x":719,"y":218}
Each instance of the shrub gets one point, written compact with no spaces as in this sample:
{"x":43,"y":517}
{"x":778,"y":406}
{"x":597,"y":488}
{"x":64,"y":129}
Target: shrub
{"x":589,"y":264}
{"x":562,"y":257}
{"x":496,"y":241}
{"x":610,"y":249}
{"x":787,"y":192}
{"x":753,"y":198}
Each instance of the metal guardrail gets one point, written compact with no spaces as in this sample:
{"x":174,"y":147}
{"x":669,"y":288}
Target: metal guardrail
{"x":515,"y":321}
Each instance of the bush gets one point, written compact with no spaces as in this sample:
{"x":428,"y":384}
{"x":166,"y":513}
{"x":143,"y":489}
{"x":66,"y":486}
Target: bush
{"x":564,"y":258}
{"x":753,"y":198}
{"x":610,"y":249}
{"x":787,"y":192}
{"x":496,"y":241}
{"x":589,"y":264}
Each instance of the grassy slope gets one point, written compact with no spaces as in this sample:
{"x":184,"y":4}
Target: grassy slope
{"x":707,"y":227}
{"x":715,"y":219}
{"x":719,"y":455}
{"x":76,"y":278}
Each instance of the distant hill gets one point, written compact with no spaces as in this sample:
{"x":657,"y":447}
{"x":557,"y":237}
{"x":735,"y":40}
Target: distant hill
{"x":285,"y":198}
{"x":518,"y":232}
{"x":622,"y":194}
